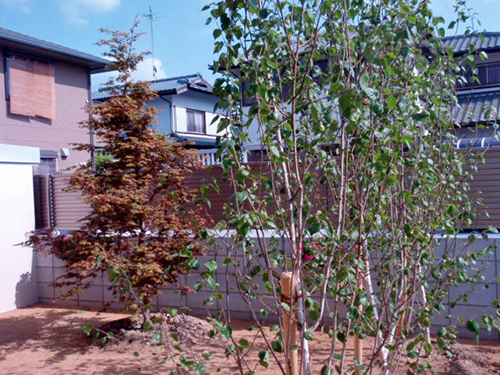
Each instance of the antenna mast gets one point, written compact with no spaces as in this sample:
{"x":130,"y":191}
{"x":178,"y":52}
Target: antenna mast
{"x":151,"y":17}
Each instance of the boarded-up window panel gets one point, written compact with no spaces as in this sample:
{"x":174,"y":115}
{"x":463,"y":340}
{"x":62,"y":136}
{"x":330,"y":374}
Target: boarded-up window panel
{"x":45,"y":94}
{"x":20,"y":84}
{"x":32,"y":88}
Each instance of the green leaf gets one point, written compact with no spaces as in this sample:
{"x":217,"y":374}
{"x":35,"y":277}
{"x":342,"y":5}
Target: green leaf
{"x":428,"y":348}
{"x":264,"y":358}
{"x":227,"y":331}
{"x":391,"y":102}
{"x":341,"y":337}
{"x":420,"y":116}
{"x":473,"y":326}
{"x":274,"y":150}
{"x":389,"y":70}
{"x":211,"y":266}
{"x":308,"y":335}
{"x":244,"y":343}
{"x":345,"y":103}
{"x":277,"y":346}
{"x":285,"y":306}
{"x":492,"y":229}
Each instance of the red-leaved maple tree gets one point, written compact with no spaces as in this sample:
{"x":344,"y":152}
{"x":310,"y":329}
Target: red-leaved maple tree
{"x":142,"y":231}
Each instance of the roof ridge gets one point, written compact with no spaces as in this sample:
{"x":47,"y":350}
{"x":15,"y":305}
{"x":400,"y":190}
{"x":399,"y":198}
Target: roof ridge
{"x":175,"y":78}
{"x":473,"y":34}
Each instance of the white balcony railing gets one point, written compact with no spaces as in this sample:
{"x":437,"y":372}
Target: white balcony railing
{"x":208,"y":157}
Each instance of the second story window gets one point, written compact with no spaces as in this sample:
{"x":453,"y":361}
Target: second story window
{"x":488,"y":75}
{"x":195,"y":121}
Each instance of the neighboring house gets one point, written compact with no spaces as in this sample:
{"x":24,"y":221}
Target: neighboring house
{"x":479,"y":101}
{"x":45,"y":88}
{"x":187,"y":110}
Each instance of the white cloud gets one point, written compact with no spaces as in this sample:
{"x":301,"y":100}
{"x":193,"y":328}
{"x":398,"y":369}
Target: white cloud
{"x":101,"y":78}
{"x":77,"y":11}
{"x":144,"y":71}
{"x":24,"y":6}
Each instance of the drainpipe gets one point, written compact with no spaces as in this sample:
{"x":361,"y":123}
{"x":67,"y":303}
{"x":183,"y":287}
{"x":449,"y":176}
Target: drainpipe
{"x":91,"y":129}
{"x":172,"y":120}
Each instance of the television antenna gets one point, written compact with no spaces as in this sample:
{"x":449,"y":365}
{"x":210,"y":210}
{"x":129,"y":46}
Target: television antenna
{"x":152,"y":17}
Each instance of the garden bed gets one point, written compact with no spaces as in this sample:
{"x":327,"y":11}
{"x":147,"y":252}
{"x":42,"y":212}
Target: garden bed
{"x":45,"y":340}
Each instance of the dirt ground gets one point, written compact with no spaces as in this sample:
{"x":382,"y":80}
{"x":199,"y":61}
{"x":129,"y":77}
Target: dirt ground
{"x":45,"y":340}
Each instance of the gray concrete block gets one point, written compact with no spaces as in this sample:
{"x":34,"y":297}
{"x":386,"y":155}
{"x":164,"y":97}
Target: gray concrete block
{"x":487,"y":269}
{"x":169,"y":298}
{"x":467,"y":312}
{"x":44,"y":260}
{"x":197,"y":300}
{"x":45,"y":274}
{"x":59,"y":271}
{"x":94,"y":294}
{"x":46,"y":291}
{"x":59,"y":263}
{"x":476,"y":294}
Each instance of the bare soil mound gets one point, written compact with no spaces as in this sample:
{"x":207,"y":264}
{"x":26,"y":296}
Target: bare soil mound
{"x":468,"y":359}
{"x":166,"y":330}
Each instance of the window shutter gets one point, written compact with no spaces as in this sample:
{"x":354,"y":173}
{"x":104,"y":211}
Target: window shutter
{"x":44,"y":92}
{"x":181,"y":119}
{"x":20,"y":83}
{"x":32,"y":88}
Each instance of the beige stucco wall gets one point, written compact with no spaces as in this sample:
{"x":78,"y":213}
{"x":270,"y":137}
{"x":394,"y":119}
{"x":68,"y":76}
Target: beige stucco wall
{"x":18,"y":285}
{"x":72,"y":84}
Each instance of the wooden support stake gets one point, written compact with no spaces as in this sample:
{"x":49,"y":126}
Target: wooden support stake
{"x":288,"y":293}
{"x":358,"y":343}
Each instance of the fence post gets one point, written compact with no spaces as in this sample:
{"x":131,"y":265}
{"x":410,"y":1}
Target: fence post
{"x":288,"y":294}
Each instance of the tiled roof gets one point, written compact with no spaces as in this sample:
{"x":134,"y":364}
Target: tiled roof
{"x":461,"y":43}
{"x":167,"y":86}
{"x":11,"y":38}
{"x":477,"y":107}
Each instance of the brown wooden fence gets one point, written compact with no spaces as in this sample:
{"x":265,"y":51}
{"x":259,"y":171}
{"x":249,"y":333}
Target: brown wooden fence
{"x":63,"y":210}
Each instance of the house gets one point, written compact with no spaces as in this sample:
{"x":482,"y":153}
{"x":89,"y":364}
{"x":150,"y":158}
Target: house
{"x":478,"y":98}
{"x":45,"y":90}
{"x":186,"y":107}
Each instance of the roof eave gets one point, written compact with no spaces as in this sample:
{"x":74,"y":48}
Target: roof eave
{"x":93,"y":63}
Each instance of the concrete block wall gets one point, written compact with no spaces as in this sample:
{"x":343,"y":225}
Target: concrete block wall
{"x":478,"y":303}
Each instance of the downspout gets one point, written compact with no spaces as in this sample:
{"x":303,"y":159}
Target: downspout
{"x":91,"y":129}
{"x":172,"y":119}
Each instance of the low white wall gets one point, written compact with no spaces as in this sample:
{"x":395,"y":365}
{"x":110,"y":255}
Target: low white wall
{"x":478,"y":303}
{"x":18,"y":286}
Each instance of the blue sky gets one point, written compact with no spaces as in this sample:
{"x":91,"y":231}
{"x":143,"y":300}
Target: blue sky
{"x":183,"y":44}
